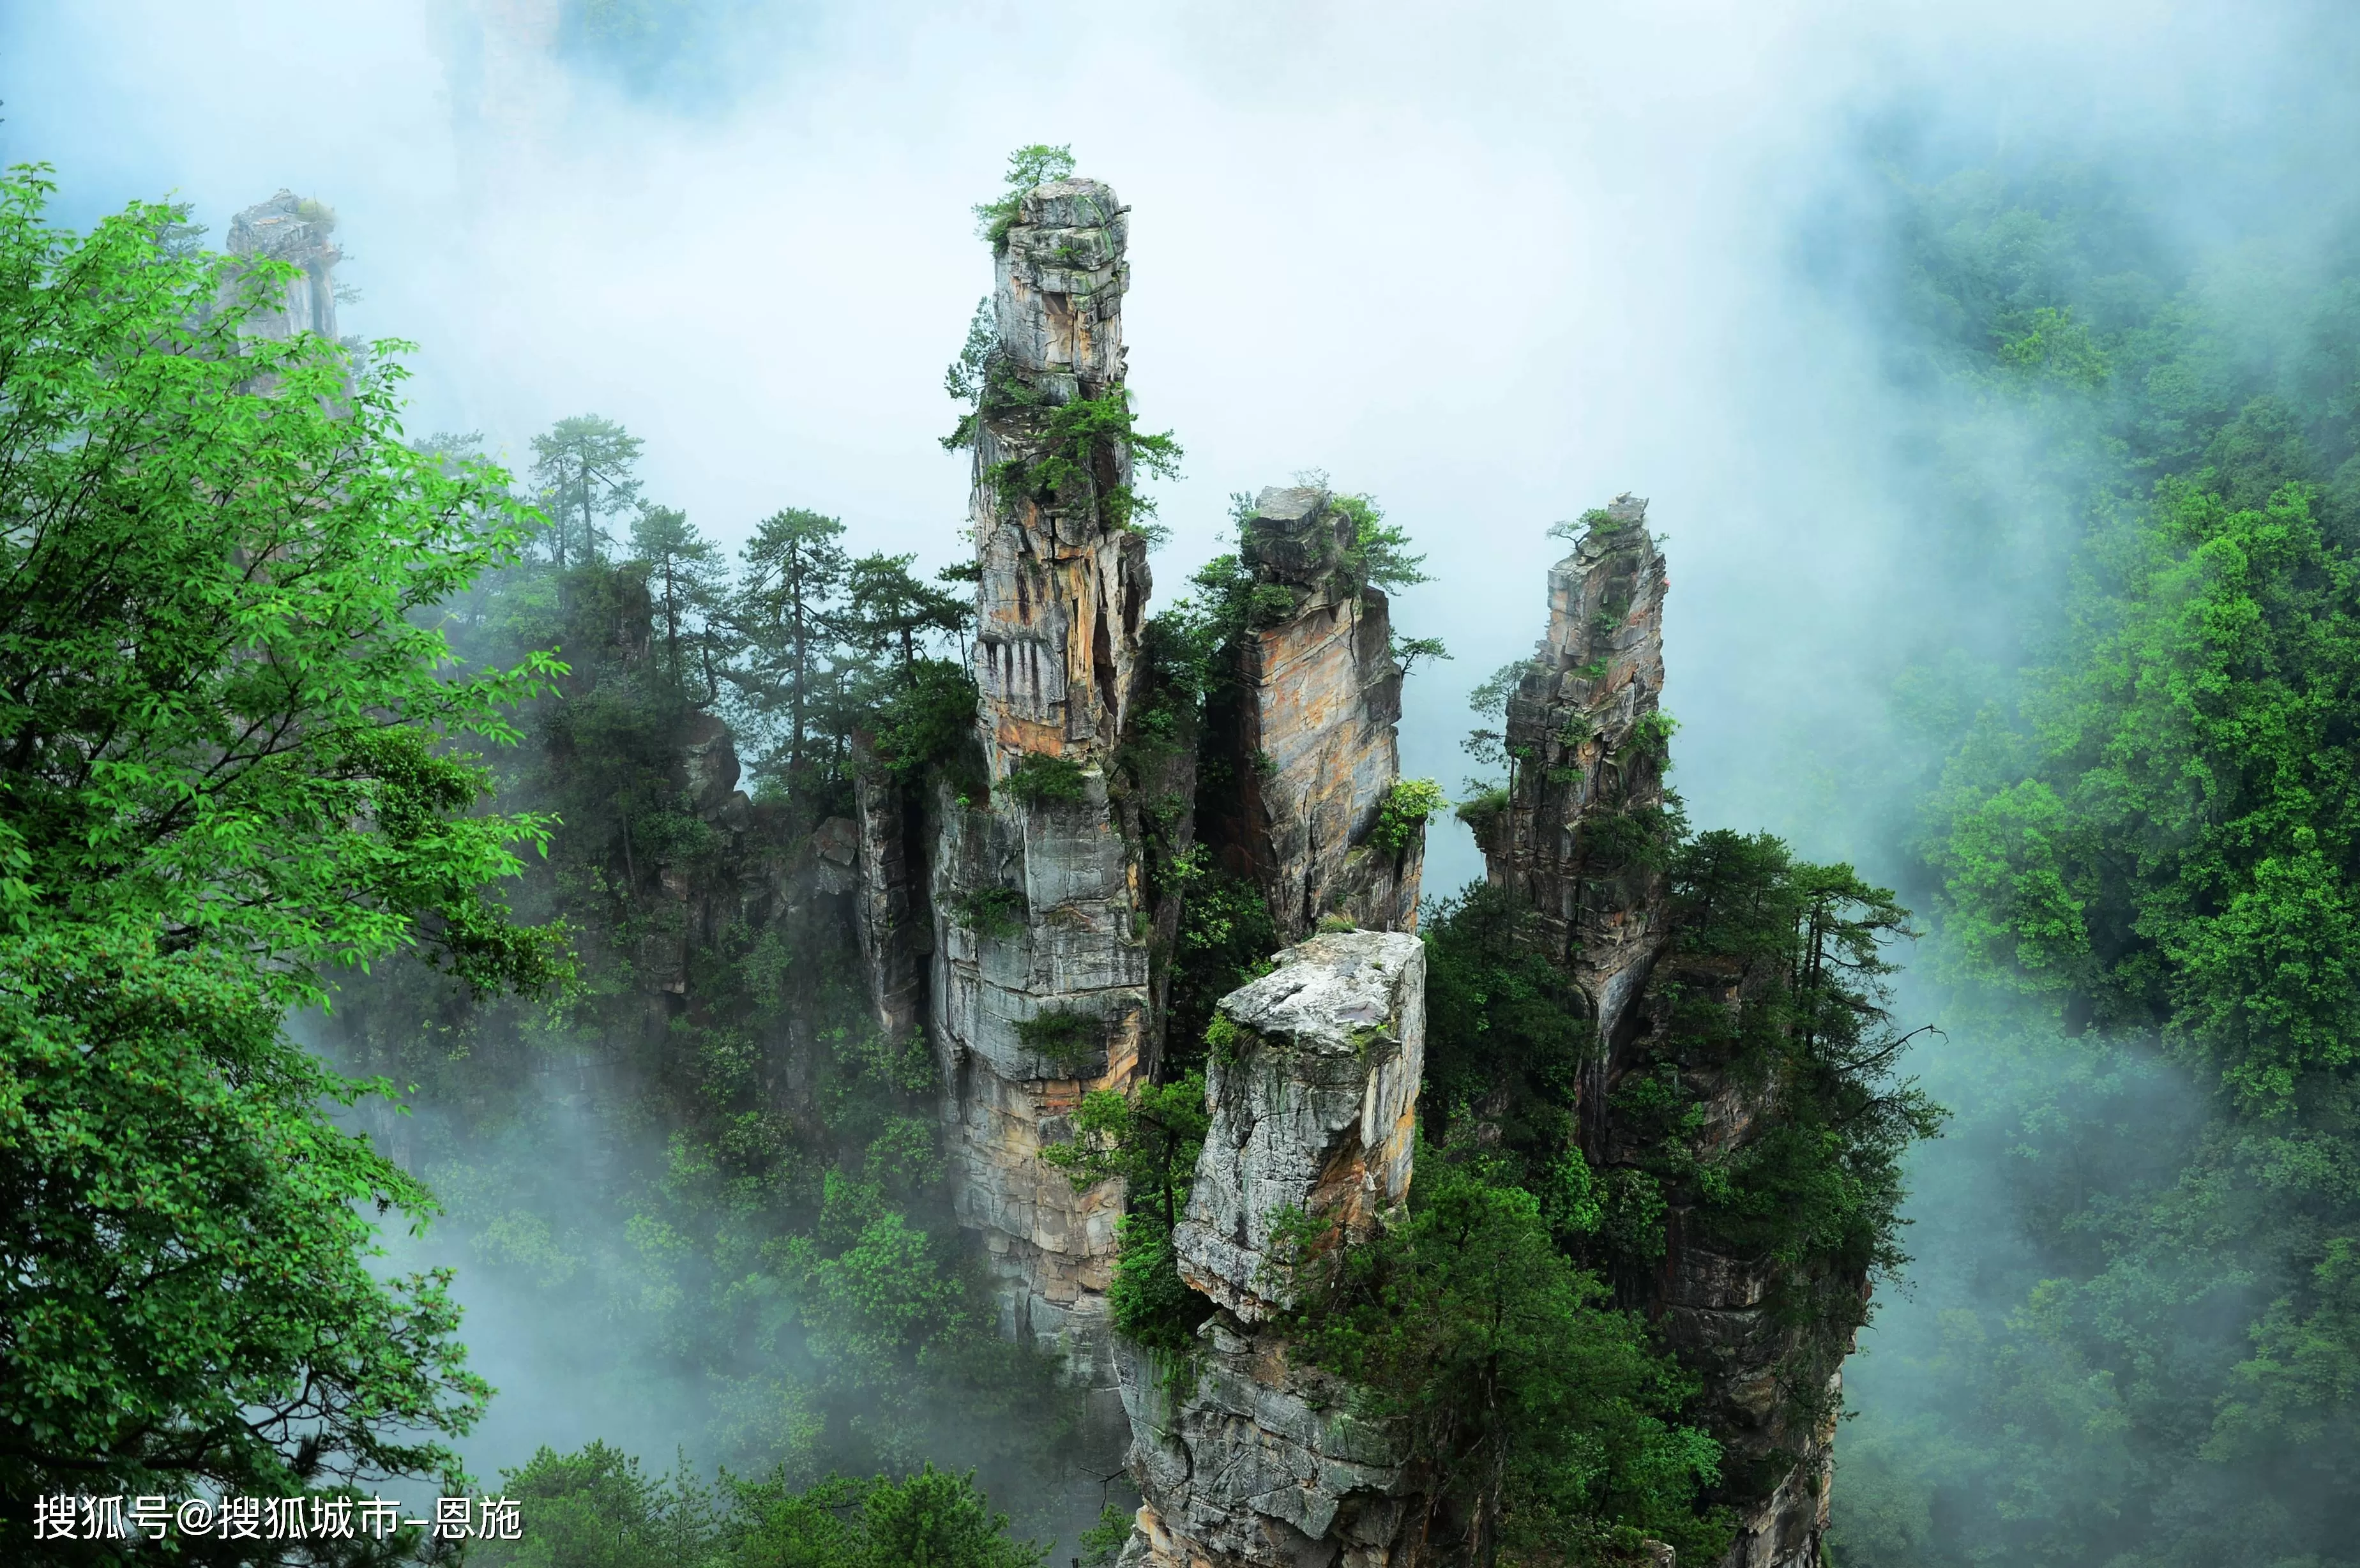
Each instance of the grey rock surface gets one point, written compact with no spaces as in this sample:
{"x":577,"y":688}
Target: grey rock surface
{"x":1313,"y":1109}
{"x":1260,"y":1463}
{"x":1253,"y":1460}
{"x":296,"y":230}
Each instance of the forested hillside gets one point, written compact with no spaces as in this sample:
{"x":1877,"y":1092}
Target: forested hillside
{"x":2127,"y":789}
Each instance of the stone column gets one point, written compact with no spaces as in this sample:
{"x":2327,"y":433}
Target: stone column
{"x":296,"y":230}
{"x":1039,"y":983}
{"x":1261,"y":1462}
{"x":1588,"y":757}
{"x":1310,"y":736}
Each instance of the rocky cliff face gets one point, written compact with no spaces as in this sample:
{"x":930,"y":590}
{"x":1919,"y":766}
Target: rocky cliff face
{"x":1257,"y":1460}
{"x":1307,"y":737}
{"x":1589,"y":764}
{"x":296,"y":230}
{"x":1584,"y":729}
{"x":1015,"y":928}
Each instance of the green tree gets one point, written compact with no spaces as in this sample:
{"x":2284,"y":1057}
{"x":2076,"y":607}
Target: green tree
{"x":1149,"y":1139}
{"x":893,"y":613}
{"x":2179,"y":854}
{"x":686,"y":576}
{"x":1028,"y":167}
{"x":586,"y":468}
{"x":1542,"y":1419}
{"x":598,"y":1507}
{"x":223,"y":769}
{"x":792,"y":612}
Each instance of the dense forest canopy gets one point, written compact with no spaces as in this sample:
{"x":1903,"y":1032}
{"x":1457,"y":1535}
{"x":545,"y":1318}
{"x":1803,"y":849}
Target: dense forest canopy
{"x":2131,"y":820}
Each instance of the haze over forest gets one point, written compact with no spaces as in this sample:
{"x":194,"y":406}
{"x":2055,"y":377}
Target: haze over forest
{"x":1988,"y":378}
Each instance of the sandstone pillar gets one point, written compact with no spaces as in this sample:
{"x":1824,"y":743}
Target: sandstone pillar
{"x":1261,"y":1462}
{"x":1039,"y":978}
{"x":1308,"y":735}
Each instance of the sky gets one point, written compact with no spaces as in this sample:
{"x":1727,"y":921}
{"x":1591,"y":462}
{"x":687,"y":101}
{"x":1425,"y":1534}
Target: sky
{"x":1491,"y":263}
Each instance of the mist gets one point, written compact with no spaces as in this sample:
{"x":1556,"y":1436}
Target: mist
{"x":1492,"y":267}
{"x":1493,"y":264}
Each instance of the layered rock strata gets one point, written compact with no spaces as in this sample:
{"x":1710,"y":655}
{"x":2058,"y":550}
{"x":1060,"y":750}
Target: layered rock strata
{"x":1584,"y":728}
{"x":1260,"y":1461}
{"x":1307,"y":732}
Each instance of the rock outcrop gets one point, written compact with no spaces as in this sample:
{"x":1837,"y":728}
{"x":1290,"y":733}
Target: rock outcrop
{"x":1584,"y":727}
{"x":1306,"y":736}
{"x":296,"y":230}
{"x":1256,"y":1460}
{"x":1313,"y":1090}
{"x":1021,"y":898}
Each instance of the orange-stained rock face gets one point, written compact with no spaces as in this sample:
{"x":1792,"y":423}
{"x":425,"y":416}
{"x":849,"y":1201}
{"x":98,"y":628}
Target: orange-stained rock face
{"x":1037,"y":906}
{"x":1311,"y":742}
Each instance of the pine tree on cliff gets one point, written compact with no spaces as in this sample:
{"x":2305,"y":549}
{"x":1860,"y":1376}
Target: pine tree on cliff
{"x":791,"y":610}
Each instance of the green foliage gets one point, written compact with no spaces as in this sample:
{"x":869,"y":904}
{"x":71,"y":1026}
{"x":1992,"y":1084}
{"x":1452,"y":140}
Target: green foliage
{"x":684,"y":573}
{"x":1543,"y":1418}
{"x":1402,"y":818}
{"x":1103,"y":1540}
{"x":1597,"y":519}
{"x":991,"y":912}
{"x":1071,"y":443}
{"x":890,"y":611}
{"x":1778,"y":976}
{"x":225,"y":765}
{"x":586,"y":468}
{"x":1069,"y":1042}
{"x":166,"y":1146}
{"x":790,"y":611}
{"x":596,"y":1508}
{"x":1225,"y":1039}
{"x":1149,"y":1139}
{"x":1489,"y":699}
{"x":1028,"y":168}
{"x":1507,"y":1033}
{"x":1039,"y":779}
{"x":1379,"y":556}
{"x":1409,"y":652}
{"x":928,"y":723}
{"x":2174,"y":855}
{"x":1484,"y":813}
{"x":2135,"y":810}
{"x":964,"y":380}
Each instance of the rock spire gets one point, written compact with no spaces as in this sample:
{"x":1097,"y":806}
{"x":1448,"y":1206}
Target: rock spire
{"x":1305,"y":738}
{"x":296,"y":230}
{"x":1260,"y":1462}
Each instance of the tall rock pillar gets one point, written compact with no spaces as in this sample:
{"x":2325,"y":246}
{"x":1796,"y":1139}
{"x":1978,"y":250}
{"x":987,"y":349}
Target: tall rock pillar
{"x":1258,"y":1460}
{"x":296,"y":230}
{"x":1038,"y":988}
{"x":1584,"y":727}
{"x":1307,"y":735}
